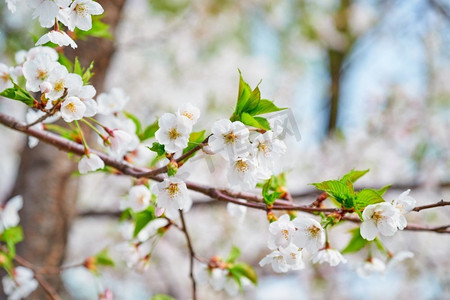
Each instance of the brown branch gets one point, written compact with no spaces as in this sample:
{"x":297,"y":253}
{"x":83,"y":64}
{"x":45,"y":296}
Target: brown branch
{"x":191,"y":254}
{"x":128,"y":169}
{"x":437,"y":204}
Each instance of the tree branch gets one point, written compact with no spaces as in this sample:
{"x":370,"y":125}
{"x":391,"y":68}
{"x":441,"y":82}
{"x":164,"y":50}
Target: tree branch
{"x":254,"y":201}
{"x":191,"y":254}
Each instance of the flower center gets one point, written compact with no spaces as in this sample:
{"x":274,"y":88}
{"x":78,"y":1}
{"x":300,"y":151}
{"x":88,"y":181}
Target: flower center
{"x":41,"y":74}
{"x":71,"y":107}
{"x":230,"y":137}
{"x":242,"y":166}
{"x":59,"y":85}
{"x":314,"y":230}
{"x":173,"y":190}
{"x":293,"y":255}
{"x":141,"y":199}
{"x":263,"y":148}
{"x":377,"y":216}
{"x":188,"y":115}
{"x":173,"y":134}
{"x":81,"y":10}
{"x":285,"y":234}
{"x":4,"y":77}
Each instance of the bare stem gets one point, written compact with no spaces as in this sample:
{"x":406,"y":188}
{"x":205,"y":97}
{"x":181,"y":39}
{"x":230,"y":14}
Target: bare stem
{"x":191,"y":254}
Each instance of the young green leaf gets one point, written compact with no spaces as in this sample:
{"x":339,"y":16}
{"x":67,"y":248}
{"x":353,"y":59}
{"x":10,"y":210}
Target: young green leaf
{"x":12,"y":235}
{"x":149,"y":131}
{"x":19,"y":94}
{"x":264,"y":106}
{"x":353,"y":175}
{"x":103,"y":258}
{"x":366,"y":197}
{"x":162,"y":297}
{"x":233,"y":255}
{"x":245,"y":270}
{"x":142,"y":218}
{"x":256,"y":122}
{"x":243,"y":95}
{"x":99,"y":30}
{"x":158,"y":148}
{"x":195,"y":138}
{"x":383,"y":190}
{"x":356,"y":242}
{"x":337,"y":190}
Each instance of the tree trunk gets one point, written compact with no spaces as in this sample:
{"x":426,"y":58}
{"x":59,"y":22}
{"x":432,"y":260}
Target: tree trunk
{"x":44,"y":179}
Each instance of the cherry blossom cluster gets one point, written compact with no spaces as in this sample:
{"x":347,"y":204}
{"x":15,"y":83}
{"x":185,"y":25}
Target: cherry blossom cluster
{"x":252,"y":157}
{"x":290,"y":240}
{"x":20,"y":281}
{"x":71,"y":13}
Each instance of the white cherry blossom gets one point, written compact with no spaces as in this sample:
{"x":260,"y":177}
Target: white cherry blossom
{"x":293,"y":257}
{"x":230,"y":139}
{"x":57,"y":37}
{"x":218,"y":278}
{"x":37,"y":70}
{"x":21,"y":286}
{"x":398,"y":258}
{"x":331,"y":256}
{"x":72,"y":109}
{"x":120,"y":141}
{"x":139,"y":197}
{"x":371,"y":266}
{"x":47,"y":10}
{"x":404,"y":204}
{"x":59,"y":80}
{"x":172,"y":196}
{"x":79,"y":14}
{"x":190,"y":112}
{"x":277,"y":260}
{"x":112,"y":102}
{"x":9,"y":213}
{"x":281,"y":232}
{"x":5,"y":75}
{"x":268,"y":151}
{"x":309,"y":234}
{"x":380,"y":217}
{"x":36,"y":51}
{"x":90,"y":162}
{"x":86,"y":94}
{"x":243,"y":173}
{"x":173,"y":132}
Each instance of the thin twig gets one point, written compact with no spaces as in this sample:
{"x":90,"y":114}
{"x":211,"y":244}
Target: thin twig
{"x":437,"y":204}
{"x":192,"y":256}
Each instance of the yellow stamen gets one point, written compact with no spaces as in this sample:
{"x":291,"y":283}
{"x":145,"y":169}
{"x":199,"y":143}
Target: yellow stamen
{"x":173,"y":190}
{"x":173,"y":134}
{"x":242,"y":166}
{"x":230,"y":137}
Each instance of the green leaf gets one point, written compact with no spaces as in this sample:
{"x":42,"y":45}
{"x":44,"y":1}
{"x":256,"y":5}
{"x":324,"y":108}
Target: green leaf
{"x":233,"y":255}
{"x":366,"y":197}
{"x":162,"y":297}
{"x":383,"y":190}
{"x":271,"y":184}
{"x":256,"y":122}
{"x":103,"y":258}
{"x":65,"y":62}
{"x":337,"y":190}
{"x":6,"y":263}
{"x":264,"y":106}
{"x":77,"y":69}
{"x":87,"y":75}
{"x":12,"y":235}
{"x":242,"y":269}
{"x":195,"y":138}
{"x":357,"y":242}
{"x":99,"y":30}
{"x":19,"y":94}
{"x":253,"y":100}
{"x":244,"y":93}
{"x":135,"y":120}
{"x":158,"y":148}
{"x":353,"y":175}
{"x":142,"y":218}
{"x":149,"y":131}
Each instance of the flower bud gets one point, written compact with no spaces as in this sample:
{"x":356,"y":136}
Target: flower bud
{"x":172,"y":168}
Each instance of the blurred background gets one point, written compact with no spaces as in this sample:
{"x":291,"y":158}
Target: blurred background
{"x":368,"y":84}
